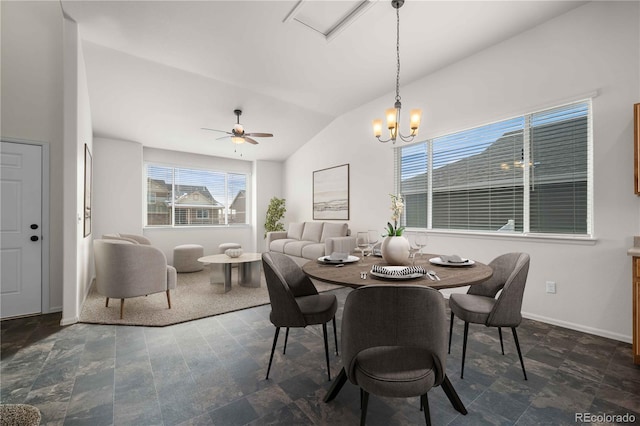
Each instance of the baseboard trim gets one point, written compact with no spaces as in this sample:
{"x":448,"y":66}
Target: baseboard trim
{"x":573,"y":326}
{"x":69,"y":321}
{"x":579,"y":327}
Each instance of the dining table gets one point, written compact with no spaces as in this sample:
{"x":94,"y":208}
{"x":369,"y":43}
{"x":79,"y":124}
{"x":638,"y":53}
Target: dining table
{"x":360,"y":271}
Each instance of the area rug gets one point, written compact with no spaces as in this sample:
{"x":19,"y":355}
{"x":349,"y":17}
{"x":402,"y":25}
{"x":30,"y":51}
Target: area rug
{"x":194,"y":298}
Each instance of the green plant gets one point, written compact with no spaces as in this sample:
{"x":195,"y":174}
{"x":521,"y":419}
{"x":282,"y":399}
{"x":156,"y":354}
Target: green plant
{"x":275,"y":212}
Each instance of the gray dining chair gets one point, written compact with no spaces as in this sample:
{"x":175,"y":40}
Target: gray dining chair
{"x":394,"y":342}
{"x":295,"y":301}
{"x":480,"y":305}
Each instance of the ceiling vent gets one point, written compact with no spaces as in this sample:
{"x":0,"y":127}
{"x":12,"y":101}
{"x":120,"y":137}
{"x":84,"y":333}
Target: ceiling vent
{"x":327,"y":18}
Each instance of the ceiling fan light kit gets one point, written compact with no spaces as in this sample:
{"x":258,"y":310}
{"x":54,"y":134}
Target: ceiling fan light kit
{"x":393,"y":114}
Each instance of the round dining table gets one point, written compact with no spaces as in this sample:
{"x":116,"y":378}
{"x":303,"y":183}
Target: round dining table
{"x":358,"y":273}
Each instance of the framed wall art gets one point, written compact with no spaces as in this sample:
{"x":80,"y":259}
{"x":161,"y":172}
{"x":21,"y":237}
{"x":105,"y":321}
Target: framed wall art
{"x":331,"y":193}
{"x":636,"y":145}
{"x":88,"y":170}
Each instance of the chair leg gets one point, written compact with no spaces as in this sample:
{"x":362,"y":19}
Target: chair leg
{"x":364,"y":403}
{"x":450,"y":331}
{"x":424,"y":401}
{"x":451,"y":393}
{"x":121,"y":308}
{"x":169,"y":299}
{"x":273,"y":348}
{"x":501,"y":344}
{"x":106,"y":305}
{"x":326,"y":349}
{"x":335,"y":334}
{"x":286,"y":339}
{"x":464,"y":347}
{"x":515,"y":337}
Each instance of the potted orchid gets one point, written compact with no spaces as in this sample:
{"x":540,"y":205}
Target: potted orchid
{"x":397,"y":206}
{"x":395,"y":248}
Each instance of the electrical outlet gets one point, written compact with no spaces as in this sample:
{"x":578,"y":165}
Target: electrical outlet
{"x":551,"y":287}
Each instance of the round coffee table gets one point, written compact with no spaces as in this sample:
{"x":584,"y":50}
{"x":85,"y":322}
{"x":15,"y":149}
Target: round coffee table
{"x":248,"y":270}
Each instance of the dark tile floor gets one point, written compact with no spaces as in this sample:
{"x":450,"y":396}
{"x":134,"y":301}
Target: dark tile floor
{"x":211,"y":371}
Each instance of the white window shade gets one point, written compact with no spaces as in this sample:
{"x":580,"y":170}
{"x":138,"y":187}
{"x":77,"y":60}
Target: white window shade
{"x":192,"y":197}
{"x":529,"y":174}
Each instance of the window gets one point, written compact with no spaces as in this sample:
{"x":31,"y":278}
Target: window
{"x":528,"y":174}
{"x":188,"y":197}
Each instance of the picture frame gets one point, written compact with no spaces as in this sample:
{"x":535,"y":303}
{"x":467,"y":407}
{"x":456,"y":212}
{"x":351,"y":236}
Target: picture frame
{"x":331,"y":193}
{"x":88,"y":171}
{"x":636,"y":151}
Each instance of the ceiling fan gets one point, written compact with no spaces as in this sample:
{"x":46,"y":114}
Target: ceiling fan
{"x":237,"y":134}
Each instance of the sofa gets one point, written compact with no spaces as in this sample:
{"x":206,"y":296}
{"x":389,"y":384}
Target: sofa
{"x":305,"y":241}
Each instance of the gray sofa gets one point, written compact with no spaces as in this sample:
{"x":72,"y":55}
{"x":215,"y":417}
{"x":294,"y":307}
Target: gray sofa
{"x":305,"y":241}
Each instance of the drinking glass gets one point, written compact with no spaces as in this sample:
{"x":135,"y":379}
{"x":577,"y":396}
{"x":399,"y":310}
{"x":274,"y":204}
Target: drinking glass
{"x":373,"y":240}
{"x":362,"y":242}
{"x":413,"y":247}
{"x":421,"y":241}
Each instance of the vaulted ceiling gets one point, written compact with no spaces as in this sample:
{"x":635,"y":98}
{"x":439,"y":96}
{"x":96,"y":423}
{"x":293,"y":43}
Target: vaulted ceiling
{"x":160,"y":71}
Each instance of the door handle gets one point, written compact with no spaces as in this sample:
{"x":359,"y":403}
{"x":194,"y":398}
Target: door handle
{"x":34,"y":238}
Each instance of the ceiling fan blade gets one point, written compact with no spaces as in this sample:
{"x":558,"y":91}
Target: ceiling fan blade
{"x":253,"y":141}
{"x":222,"y":137}
{"x":214,"y":130}
{"x":260,"y":135}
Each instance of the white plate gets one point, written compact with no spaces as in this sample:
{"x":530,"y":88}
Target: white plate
{"x":350,"y":259}
{"x":397,"y":277}
{"x":438,"y":261}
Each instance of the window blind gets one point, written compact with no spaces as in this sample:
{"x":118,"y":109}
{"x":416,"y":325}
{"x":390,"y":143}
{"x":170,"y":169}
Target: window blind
{"x":560,"y":153}
{"x":528,"y":174}
{"x":187,"y":197}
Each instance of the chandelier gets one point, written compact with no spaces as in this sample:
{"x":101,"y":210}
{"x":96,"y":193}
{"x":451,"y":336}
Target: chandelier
{"x":393,"y":114}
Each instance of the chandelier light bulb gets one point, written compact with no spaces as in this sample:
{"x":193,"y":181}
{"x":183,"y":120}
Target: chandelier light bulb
{"x":377,"y":127}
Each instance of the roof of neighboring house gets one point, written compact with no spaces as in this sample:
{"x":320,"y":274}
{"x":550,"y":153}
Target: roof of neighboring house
{"x":240,"y":200}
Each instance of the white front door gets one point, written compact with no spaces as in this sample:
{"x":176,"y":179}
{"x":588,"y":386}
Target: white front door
{"x":21,"y":225}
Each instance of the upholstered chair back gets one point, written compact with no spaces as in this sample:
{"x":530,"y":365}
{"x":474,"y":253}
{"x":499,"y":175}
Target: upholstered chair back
{"x":285,"y":281}
{"x":394,"y":316}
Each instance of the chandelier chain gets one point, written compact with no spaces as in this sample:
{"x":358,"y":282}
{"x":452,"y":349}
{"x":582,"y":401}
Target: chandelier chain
{"x":398,"y":54}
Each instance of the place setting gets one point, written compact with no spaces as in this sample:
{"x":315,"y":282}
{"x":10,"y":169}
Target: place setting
{"x":338,"y":259}
{"x":451,"y":260}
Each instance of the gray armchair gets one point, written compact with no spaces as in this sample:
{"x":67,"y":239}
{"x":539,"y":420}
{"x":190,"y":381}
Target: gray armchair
{"x":125,"y":269}
{"x":133,"y":238}
{"x":295,"y":302}
{"x":394,"y":343}
{"x":480,"y":306}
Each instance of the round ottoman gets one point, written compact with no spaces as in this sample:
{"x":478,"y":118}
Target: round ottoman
{"x":226,"y":246}
{"x":185,"y":258}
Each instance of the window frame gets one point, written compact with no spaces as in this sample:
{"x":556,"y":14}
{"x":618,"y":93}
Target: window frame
{"x":587,"y":237}
{"x":226,"y":209}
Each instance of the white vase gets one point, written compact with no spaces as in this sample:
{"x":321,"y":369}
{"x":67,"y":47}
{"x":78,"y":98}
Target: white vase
{"x":395,"y":250}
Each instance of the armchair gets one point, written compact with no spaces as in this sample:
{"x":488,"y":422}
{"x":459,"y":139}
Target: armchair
{"x":125,"y":269}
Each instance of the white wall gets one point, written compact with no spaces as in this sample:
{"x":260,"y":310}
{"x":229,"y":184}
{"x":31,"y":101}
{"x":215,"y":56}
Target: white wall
{"x":117,"y":186}
{"x":594,"y":47}
{"x":268,"y":183}
{"x":78,"y":249}
{"x":31,"y":99}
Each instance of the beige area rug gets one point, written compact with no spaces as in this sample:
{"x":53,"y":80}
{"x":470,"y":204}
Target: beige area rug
{"x":194,"y":298}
